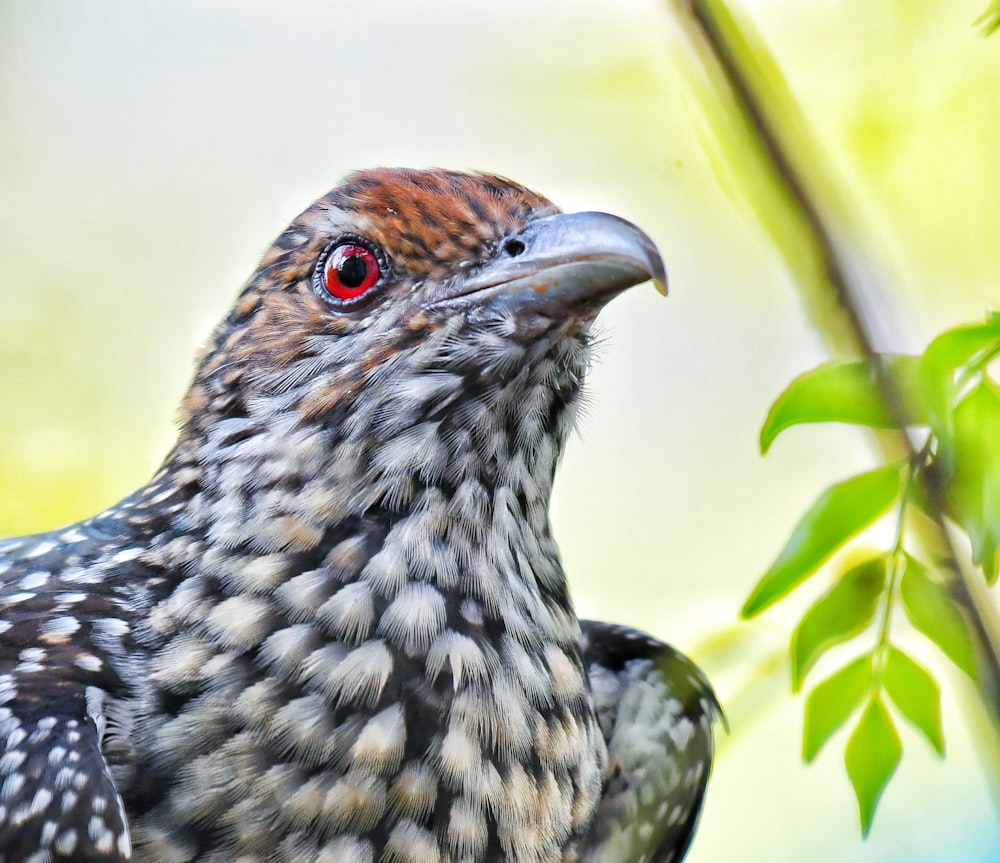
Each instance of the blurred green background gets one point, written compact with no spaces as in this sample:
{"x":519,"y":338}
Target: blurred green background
{"x":150,"y":152}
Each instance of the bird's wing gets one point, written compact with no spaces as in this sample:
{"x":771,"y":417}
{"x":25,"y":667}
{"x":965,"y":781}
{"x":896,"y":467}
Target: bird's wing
{"x":656,"y":710}
{"x":57,"y":794}
{"x":58,"y":799}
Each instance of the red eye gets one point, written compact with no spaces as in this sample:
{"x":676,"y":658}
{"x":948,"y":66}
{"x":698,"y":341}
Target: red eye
{"x":350,"y":270}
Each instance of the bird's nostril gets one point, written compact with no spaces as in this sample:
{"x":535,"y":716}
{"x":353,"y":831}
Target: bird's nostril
{"x":513,"y":247}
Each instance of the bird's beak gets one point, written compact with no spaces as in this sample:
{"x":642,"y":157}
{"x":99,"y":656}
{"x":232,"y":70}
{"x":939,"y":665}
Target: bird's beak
{"x":564,"y":262}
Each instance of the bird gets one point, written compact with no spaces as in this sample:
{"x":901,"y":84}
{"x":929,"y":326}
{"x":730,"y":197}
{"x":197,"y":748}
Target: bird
{"x":334,"y":626}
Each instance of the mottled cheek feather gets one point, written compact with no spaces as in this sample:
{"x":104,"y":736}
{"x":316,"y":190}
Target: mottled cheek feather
{"x":280,"y":332}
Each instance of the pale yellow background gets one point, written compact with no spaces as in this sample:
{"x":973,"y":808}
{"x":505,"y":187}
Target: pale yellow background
{"x":150,"y":151}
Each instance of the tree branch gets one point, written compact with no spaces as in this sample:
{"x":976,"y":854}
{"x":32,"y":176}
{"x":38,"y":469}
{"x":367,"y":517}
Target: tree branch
{"x":728,"y":48}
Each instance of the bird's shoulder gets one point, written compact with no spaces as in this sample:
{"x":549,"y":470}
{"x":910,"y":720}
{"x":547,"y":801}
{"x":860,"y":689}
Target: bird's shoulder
{"x":618,"y":656}
{"x":65,"y":625}
{"x":67,"y":604}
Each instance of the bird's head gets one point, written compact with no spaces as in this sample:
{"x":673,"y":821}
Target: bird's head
{"x":408,"y":299}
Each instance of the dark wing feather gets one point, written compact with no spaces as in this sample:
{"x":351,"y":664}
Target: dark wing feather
{"x":58,"y":799}
{"x":656,"y":710}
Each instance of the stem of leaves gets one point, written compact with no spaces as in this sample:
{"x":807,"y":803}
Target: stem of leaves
{"x":897,"y":564}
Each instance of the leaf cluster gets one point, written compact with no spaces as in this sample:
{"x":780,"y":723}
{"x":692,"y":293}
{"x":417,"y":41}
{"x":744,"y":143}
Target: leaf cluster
{"x":947,"y":396}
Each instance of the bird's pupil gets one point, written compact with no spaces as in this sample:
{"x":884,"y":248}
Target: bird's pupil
{"x":352,"y":271}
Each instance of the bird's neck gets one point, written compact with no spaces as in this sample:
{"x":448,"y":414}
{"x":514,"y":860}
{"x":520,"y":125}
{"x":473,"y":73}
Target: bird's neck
{"x":395,"y":560}
{"x":389,"y":494}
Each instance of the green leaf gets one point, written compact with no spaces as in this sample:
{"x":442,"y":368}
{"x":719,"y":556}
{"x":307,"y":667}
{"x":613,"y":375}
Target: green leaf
{"x":847,"y":393}
{"x":990,"y":19}
{"x":973,"y":492}
{"x":842,"y":511}
{"x":841,"y":613}
{"x":830,"y":704}
{"x":953,"y":350}
{"x":931,"y":610}
{"x":916,"y":694}
{"x":872,"y":755}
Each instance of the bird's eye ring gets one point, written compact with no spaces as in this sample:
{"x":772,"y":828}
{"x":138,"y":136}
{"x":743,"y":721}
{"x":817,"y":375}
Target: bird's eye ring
{"x":348,"y":270}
